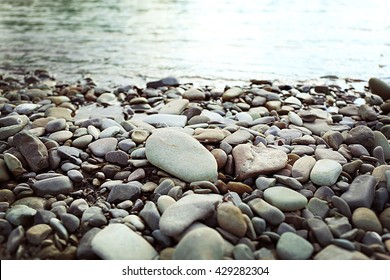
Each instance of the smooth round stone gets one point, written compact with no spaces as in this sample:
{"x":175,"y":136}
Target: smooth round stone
{"x":37,"y":203}
{"x":126,"y":145}
{"x":61,"y":136}
{"x":333,"y":252}
{"x":174,"y":107}
{"x":109,"y":132}
{"x":70,"y":221}
{"x":13,"y":164}
{"x":361,"y":135}
{"x":150,"y":215}
{"x":381,"y":140}
{"x":320,"y":230}
{"x":181,"y":155}
{"x":117,"y":157}
{"x":210,"y":135}
{"x":318,"y":207}
{"x":238,"y":187}
{"x":7,"y":195}
{"x":384,"y":218}
{"x":78,"y":206}
{"x":329,"y":154}
{"x":318,"y":127}
{"x":119,"y":242}
{"x":342,"y":206}
{"x":231,"y":93}
{"x":33,"y":150}
{"x":163,"y":202}
{"x":139,"y":135}
{"x":243,"y":252}
{"x":239,"y":137}
{"x":198,"y":120}
{"x":361,"y":192}
{"x":101,"y":147}
{"x":295,"y":119}
{"x":55,"y":125}
{"x":4,"y":172}
{"x":251,"y":161}
{"x":15,"y":238}
{"x":187,"y":210}
{"x":366,"y":219}
{"x":268,"y":212}
{"x":94,"y":217}
{"x":263,"y":183}
{"x":285,"y":199}
{"x":325,"y":172}
{"x":59,"y":228}
{"x":380,"y":88}
{"x":53,"y":186}
{"x":230,"y":218}
{"x":107,"y":98}
{"x":59,"y":112}
{"x":36,"y":234}
{"x":27,"y":108}
{"x":75,"y":175}
{"x":220,"y":156}
{"x":136,"y":221}
{"x":194,"y":94}
{"x":202,"y":243}
{"x":334,"y":139}
{"x":302,"y":168}
{"x":20,"y":215}
{"x":120,"y":192}
{"x":170,"y":120}
{"x":291,"y":246}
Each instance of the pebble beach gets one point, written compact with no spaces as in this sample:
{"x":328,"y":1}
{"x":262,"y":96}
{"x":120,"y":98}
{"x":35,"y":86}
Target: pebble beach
{"x":174,"y":171}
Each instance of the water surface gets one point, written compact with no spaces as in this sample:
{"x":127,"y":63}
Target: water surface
{"x":137,"y":40}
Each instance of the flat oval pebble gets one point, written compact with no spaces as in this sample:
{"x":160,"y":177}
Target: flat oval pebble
{"x":333,"y":252}
{"x":187,"y":210}
{"x":270,"y":213}
{"x":180,"y":155}
{"x":285,"y":199}
{"x":230,"y":218}
{"x":325,"y":172}
{"x":200,"y":244}
{"x":53,"y":186}
{"x":101,"y":147}
{"x":119,"y":242}
{"x":366,"y":219}
{"x":291,"y":246}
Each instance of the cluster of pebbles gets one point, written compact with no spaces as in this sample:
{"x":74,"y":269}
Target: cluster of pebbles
{"x":172,"y":171}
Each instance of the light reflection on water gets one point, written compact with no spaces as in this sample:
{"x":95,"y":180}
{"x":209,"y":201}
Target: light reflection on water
{"x":213,"y":40}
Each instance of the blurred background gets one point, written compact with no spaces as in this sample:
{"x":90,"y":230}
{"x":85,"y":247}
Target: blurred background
{"x":215,"y":41}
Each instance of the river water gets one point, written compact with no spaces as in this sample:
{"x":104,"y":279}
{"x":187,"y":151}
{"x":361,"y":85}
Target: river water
{"x":213,"y":41}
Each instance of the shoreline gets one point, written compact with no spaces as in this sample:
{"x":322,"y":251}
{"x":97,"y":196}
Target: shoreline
{"x":266,"y":170}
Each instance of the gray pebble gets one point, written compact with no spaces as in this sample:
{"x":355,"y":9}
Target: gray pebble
{"x":130,"y":191}
{"x":242,"y":252}
{"x":59,"y":228}
{"x":321,"y":231}
{"x":77,"y":207}
{"x":20,"y":215}
{"x":75,"y":175}
{"x":84,"y":250}
{"x":14,"y":239}
{"x":150,"y":215}
{"x":94,"y":217}
{"x":70,"y":221}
